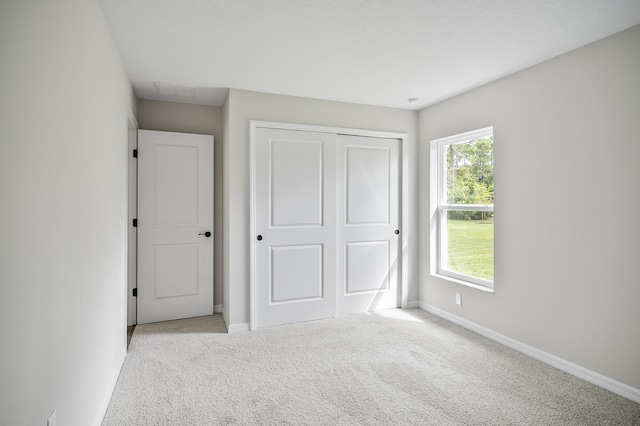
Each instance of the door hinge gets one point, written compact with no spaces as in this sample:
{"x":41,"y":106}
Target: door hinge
{"x":135,"y":223}
{"x":135,"y":292}
{"x":135,"y":153}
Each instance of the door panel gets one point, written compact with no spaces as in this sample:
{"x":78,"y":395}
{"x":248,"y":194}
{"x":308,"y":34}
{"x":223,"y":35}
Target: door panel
{"x":296,"y":183}
{"x":176,"y":190}
{"x":367,"y":267}
{"x":368,"y":216}
{"x":176,"y":268}
{"x":175,"y":205}
{"x":295,"y":216}
{"x":296,"y":273}
{"x":367,"y":184}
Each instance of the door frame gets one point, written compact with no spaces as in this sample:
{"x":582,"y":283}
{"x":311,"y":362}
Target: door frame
{"x":131,"y":238}
{"x":404,"y":226}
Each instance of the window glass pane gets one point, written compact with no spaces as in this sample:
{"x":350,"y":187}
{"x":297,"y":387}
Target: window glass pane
{"x":469,"y":239}
{"x":469,"y":171}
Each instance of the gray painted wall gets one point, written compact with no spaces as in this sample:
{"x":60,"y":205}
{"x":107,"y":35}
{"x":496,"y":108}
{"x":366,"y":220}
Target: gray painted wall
{"x":200,"y":119}
{"x":64,"y":94}
{"x":244,"y":106}
{"x":567,"y":269}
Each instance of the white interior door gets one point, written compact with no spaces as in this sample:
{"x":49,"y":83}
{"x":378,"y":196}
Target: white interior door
{"x":368,"y":229}
{"x":295,"y":247}
{"x":175,"y":211}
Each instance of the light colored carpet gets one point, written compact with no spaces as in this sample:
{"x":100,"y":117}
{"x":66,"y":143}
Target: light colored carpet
{"x":393,"y":367}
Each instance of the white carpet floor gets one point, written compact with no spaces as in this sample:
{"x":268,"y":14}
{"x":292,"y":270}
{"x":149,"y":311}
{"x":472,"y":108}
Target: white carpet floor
{"x":396,"y":367}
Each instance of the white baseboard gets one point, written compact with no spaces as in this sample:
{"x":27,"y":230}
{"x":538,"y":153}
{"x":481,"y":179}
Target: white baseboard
{"x":237,"y":328}
{"x":111,"y":386}
{"x":412,"y":305}
{"x":598,"y":379}
{"x":234,"y":328}
{"x":217,"y":309}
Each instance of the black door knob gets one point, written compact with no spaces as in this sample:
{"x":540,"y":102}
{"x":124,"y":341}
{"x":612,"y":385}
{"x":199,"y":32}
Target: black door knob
{"x":259,"y":237}
{"x":397,"y":231}
{"x":206,"y":234}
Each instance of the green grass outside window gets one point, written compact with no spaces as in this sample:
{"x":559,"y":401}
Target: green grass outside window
{"x":471,"y":247}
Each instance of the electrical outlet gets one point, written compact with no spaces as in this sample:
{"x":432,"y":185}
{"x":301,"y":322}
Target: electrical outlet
{"x":458,"y":299}
{"x":51,"y":421}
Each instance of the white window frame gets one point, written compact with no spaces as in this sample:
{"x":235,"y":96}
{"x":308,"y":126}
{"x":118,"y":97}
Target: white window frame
{"x":440,"y":207}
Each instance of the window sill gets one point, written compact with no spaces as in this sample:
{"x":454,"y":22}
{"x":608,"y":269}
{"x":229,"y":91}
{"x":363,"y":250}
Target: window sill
{"x":465,"y":283}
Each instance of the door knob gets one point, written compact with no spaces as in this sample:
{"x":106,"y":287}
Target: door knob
{"x":259,"y":237}
{"x":397,"y":231}
{"x":206,"y":234}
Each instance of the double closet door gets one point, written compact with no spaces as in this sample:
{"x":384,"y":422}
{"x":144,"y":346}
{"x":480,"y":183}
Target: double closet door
{"x":327,"y":225}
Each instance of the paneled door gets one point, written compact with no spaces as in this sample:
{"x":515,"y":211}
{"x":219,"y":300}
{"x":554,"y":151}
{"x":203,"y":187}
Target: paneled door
{"x":175,"y":225}
{"x":326,"y":219}
{"x":295,"y":223}
{"x":368,"y":228}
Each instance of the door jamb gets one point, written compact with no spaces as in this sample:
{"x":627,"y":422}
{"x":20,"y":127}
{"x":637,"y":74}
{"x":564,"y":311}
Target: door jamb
{"x":131,"y":239}
{"x":404,"y":194}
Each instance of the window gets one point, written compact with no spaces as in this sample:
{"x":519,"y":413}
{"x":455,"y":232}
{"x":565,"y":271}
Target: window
{"x":463,"y":187}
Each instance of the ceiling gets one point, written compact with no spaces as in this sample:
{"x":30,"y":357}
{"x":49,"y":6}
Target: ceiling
{"x":376,"y":52}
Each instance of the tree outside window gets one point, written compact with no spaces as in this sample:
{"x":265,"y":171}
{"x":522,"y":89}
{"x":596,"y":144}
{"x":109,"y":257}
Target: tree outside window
{"x":465,"y":207}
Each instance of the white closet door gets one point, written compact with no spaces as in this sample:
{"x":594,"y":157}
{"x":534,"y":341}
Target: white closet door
{"x":295,"y":247}
{"x":175,"y":220}
{"x":368,"y":224}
